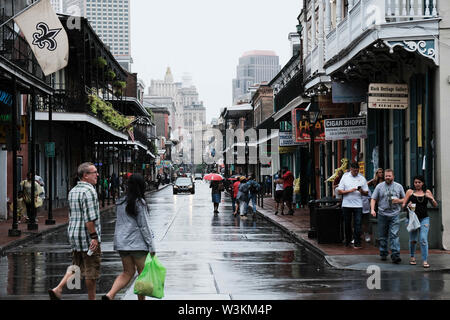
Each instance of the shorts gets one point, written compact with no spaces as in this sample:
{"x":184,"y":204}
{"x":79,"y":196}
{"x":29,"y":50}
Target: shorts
{"x":216,"y":197}
{"x":136,"y":254}
{"x":89,"y":265}
{"x":287,"y":194}
{"x":279,"y":196}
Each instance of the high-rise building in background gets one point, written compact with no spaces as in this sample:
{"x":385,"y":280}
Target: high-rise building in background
{"x":111,"y":21}
{"x":57,"y":5}
{"x":254,"y":67}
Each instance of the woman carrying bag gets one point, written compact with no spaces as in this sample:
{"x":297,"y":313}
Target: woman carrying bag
{"x":132,"y":237}
{"x":417,"y":201}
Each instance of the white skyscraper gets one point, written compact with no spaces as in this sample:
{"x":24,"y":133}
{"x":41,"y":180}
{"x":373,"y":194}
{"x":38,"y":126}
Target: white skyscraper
{"x":57,"y":5}
{"x":111,"y":21}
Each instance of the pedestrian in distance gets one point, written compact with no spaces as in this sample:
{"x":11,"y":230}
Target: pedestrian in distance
{"x":133,"y":238}
{"x":288,"y":192}
{"x":352,"y":188}
{"x":25,"y":190}
{"x":377,"y":179}
{"x":216,"y":193}
{"x":365,"y":216}
{"x":268,"y":184}
{"x":279,"y":195}
{"x":417,"y":200}
{"x":84,"y":231}
{"x":253,"y":189}
{"x":389,"y":196}
{"x":234,"y":200}
{"x":242,"y":196}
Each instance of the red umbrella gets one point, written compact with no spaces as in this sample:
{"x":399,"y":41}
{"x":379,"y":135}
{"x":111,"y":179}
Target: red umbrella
{"x":213,"y":177}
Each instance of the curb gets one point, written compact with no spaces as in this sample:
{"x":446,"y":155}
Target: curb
{"x":34,"y":235}
{"x":296,"y":238}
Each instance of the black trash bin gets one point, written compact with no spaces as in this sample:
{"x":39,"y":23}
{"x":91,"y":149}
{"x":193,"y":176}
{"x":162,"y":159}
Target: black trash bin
{"x":329,"y":221}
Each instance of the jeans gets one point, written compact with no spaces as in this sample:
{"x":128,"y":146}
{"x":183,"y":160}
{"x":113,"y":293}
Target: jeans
{"x":356,"y":214}
{"x":388,"y":227}
{"x":243,"y":207}
{"x":253,"y":199}
{"x":423,"y":233}
{"x":233,"y":203}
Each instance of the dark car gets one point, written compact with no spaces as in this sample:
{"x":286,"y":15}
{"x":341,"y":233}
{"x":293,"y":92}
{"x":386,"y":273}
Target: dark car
{"x":198,"y":176}
{"x":183,"y":184}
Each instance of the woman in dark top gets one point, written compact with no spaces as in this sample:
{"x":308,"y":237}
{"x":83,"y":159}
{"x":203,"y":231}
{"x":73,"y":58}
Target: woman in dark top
{"x":216,"y":191}
{"x":417,"y":200}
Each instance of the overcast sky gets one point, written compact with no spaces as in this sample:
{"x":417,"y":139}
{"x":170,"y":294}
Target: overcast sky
{"x":206,"y":38}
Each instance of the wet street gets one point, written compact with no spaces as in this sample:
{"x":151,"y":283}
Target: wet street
{"x":211,"y":257}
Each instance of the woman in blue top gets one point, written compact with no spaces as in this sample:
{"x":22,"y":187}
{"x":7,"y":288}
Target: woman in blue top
{"x":132,"y":237}
{"x":417,"y":200}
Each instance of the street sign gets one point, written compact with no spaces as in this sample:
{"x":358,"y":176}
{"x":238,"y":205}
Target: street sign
{"x":346,"y":128}
{"x":388,"y":96}
{"x":50,"y":149}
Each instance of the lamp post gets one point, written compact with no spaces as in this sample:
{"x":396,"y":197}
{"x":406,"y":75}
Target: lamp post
{"x":313,"y":115}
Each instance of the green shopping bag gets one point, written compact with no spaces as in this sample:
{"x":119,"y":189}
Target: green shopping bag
{"x":150,"y":282}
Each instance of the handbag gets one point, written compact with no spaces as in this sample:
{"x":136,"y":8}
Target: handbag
{"x":150,"y":282}
{"x":414,"y":222}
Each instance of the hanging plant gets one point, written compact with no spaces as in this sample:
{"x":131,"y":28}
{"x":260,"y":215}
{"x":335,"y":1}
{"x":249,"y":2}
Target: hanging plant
{"x":106,"y":112}
{"x":119,"y":84}
{"x":110,"y":74}
{"x":101,"y":62}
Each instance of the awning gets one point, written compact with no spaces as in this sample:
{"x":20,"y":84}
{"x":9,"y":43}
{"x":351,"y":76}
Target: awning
{"x":239,"y":110}
{"x":295,"y":103}
{"x":79,"y":117}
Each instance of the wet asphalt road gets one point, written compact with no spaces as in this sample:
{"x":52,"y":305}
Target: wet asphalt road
{"x":211,"y":257}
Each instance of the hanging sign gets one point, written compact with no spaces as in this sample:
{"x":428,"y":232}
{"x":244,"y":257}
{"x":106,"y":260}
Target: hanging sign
{"x":50,"y":149}
{"x":328,"y":107}
{"x":286,"y":139}
{"x":302,"y":127}
{"x":346,"y":128}
{"x":388,"y":96}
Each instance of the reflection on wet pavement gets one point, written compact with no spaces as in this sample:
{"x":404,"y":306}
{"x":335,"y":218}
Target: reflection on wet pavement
{"x":210,"y":257}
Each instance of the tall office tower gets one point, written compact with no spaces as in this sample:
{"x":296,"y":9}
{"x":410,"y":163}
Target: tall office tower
{"x":74,"y":7}
{"x":111,"y":21}
{"x":57,"y":6}
{"x":254,"y":67}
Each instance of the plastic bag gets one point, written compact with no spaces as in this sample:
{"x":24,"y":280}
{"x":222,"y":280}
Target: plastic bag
{"x":150,"y":282}
{"x":414,"y":222}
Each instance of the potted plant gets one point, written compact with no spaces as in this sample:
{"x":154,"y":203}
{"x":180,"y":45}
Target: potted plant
{"x":110,"y":74}
{"x":101,"y":62}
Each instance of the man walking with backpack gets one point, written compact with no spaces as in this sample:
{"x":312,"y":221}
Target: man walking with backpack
{"x":253,"y":188}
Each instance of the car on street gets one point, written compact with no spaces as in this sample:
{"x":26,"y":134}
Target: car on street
{"x":184,"y":184}
{"x":198,"y":176}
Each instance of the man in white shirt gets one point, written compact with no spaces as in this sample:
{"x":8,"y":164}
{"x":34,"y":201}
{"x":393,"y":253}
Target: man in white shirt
{"x":352,"y":187}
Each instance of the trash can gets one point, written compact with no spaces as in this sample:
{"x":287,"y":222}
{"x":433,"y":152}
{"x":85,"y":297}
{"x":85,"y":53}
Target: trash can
{"x":327,"y":220}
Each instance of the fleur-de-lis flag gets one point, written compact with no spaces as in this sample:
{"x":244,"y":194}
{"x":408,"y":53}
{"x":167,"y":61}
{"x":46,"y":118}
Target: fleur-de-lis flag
{"x":45,"y":35}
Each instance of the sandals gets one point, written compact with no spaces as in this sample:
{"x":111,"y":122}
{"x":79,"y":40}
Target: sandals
{"x":412,"y":261}
{"x":426,"y":265}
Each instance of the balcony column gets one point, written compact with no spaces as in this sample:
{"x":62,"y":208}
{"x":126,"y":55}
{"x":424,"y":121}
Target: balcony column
{"x":313,"y":25}
{"x":321,"y":35}
{"x":327,"y":16}
{"x":338,"y":12}
{"x":305,"y":39}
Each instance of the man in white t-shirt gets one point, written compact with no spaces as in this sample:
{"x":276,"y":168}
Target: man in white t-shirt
{"x":352,"y":187}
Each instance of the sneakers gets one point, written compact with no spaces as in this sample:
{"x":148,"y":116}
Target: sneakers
{"x":367,"y":238}
{"x":353,"y":241}
{"x":396,"y":260}
{"x":357,"y":246}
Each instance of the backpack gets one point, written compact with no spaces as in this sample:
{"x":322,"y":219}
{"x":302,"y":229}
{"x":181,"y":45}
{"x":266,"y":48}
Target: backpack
{"x":254,"y":188}
{"x":220,"y":186}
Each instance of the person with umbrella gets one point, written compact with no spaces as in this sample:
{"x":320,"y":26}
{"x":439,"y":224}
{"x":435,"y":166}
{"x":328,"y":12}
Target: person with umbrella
{"x":242,"y":196}
{"x":216,"y":189}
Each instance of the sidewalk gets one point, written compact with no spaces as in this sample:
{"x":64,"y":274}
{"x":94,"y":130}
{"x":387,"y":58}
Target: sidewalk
{"x":60,"y":215}
{"x":341,"y":257}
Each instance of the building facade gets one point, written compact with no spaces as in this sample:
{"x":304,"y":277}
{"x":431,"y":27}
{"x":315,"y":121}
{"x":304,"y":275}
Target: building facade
{"x":254,"y":67}
{"x":111,"y":21}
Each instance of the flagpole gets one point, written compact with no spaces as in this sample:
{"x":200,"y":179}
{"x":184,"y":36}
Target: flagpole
{"x":19,"y":13}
